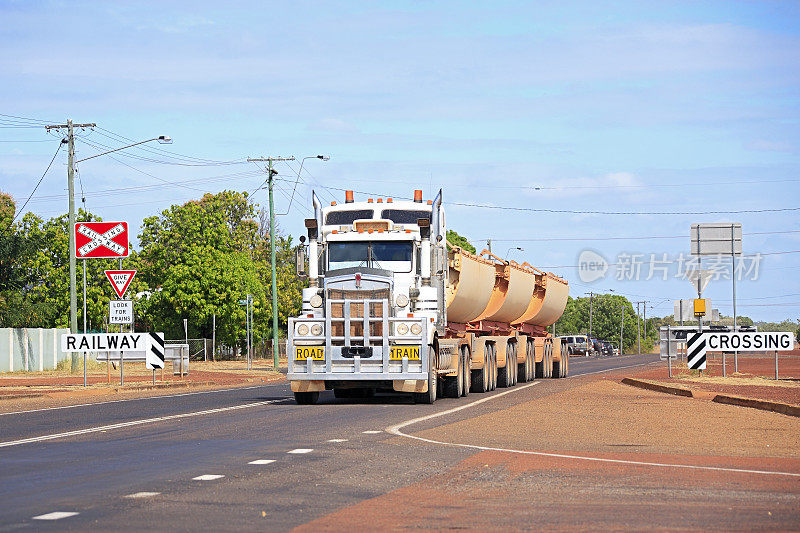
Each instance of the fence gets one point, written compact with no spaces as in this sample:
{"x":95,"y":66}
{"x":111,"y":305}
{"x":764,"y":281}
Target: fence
{"x":30,"y":349}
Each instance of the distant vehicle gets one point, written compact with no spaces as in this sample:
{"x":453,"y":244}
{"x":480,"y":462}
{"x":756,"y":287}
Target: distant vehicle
{"x":616,"y":350}
{"x":608,"y":348}
{"x":596,"y":346}
{"x":575,"y":344}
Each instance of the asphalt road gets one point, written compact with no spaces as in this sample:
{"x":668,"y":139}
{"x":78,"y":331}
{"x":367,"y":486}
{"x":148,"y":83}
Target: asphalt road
{"x":90,"y":459}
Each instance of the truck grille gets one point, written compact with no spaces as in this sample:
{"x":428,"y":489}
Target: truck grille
{"x":357,"y":305}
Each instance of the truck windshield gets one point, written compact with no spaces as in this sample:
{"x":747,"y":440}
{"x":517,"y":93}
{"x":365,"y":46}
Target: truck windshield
{"x":394,"y":256}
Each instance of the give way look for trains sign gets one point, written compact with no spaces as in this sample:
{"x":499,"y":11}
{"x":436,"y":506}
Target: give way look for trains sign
{"x":101,"y":240}
{"x":120,"y":280}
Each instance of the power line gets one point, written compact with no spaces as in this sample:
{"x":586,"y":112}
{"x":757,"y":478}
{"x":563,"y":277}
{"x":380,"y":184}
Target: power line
{"x":28,"y":119}
{"x":589,"y":212}
{"x":647,"y":237}
{"x":38,"y":183}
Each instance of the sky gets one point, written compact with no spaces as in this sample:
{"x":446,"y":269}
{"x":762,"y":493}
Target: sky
{"x":565,"y":129}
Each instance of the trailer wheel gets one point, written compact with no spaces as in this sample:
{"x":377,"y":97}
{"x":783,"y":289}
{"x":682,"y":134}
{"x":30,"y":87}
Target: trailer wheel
{"x":514,"y":365}
{"x":453,"y":385}
{"x":531,"y":361}
{"x":467,"y":372}
{"x":493,"y":367}
{"x":433,"y":382}
{"x":306,"y":398}
{"x":566,"y":366}
{"x":480,"y":377}
{"x":505,"y":376}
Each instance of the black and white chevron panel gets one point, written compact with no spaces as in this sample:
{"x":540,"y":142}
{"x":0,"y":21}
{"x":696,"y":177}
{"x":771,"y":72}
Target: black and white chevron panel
{"x":155,"y":351}
{"x":696,"y":351}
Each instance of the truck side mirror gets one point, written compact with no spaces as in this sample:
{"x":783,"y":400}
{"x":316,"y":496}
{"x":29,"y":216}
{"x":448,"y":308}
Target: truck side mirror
{"x":300,"y":259}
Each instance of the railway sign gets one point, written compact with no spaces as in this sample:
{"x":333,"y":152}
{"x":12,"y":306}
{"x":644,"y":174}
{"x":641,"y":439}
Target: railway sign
{"x":101,"y":342}
{"x":120,"y":312}
{"x":155,"y":352}
{"x":101,"y":240}
{"x":120,"y":280}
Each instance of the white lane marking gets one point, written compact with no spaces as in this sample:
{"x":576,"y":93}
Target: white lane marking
{"x":261,"y":462}
{"x":129,"y":400}
{"x":143,"y":494}
{"x":395,"y":430}
{"x":372,"y":432}
{"x":56,"y":515}
{"x":337,"y":440}
{"x":208,"y":477}
{"x":301,"y":450}
{"x":134,"y":423}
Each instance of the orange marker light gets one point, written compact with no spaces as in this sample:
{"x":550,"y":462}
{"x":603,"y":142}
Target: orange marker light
{"x":380,"y":200}
{"x":388,"y":200}
{"x":369,"y":201}
{"x":348,"y":197}
{"x":333,"y":203}
{"x":418,"y":196}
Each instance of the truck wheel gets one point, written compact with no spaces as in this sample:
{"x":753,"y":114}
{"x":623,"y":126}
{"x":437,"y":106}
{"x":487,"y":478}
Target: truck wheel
{"x":467,"y":372}
{"x":514,"y":365}
{"x":548,"y":367}
{"x":480,"y":378}
{"x":342,"y":393}
{"x":493,"y":367}
{"x":453,"y":384}
{"x":531,"y":361}
{"x":505,"y":376}
{"x":306,"y":398}
{"x":433,"y":382}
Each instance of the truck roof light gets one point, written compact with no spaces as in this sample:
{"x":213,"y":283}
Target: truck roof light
{"x":380,"y":200}
{"x":388,"y":200}
{"x":333,"y":203}
{"x":430,"y":202}
{"x":408,"y":231}
{"x":335,"y":231}
{"x":348,"y":197}
{"x":418,"y":196}
{"x":369,"y":201}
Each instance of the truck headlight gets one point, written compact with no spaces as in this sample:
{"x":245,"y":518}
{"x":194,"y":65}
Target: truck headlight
{"x":416,"y":329}
{"x":316,"y":330}
{"x":302,"y":329}
{"x":316,"y":301}
{"x":402,"y":329}
{"x":401,"y":300}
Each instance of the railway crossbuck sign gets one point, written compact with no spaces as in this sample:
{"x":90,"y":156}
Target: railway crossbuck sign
{"x":697,"y":344}
{"x":101,"y":240}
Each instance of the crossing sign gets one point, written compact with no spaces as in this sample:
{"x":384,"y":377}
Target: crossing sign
{"x":120,"y":280}
{"x":101,"y":240}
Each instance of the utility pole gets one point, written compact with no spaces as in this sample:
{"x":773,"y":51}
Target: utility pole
{"x":591,"y":298}
{"x":621,"y":327}
{"x":638,"y":328}
{"x":73,"y":294}
{"x":489,"y":245}
{"x":270,"y":176}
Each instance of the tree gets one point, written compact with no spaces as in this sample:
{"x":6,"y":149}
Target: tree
{"x":607,"y":311}
{"x":198,"y":261}
{"x":457,"y":240}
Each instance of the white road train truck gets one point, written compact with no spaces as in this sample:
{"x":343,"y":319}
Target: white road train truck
{"x":391,"y":306}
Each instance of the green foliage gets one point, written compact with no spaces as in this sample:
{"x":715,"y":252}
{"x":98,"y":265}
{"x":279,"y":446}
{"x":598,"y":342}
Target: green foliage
{"x":457,"y":240}
{"x":607,"y":319}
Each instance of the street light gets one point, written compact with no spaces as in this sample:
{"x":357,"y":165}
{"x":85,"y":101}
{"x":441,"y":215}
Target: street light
{"x":299,"y":173}
{"x":162,"y":139}
{"x":512,"y":249}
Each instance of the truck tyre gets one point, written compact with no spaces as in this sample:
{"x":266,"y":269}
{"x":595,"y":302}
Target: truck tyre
{"x":453,"y":385}
{"x":493,"y":367}
{"x":306,"y":398}
{"x":566,"y":367}
{"x":480,"y":377}
{"x":433,"y":382}
{"x":514,"y":365}
{"x":467,"y":372}
{"x":531,"y":361}
{"x":549,"y":366}
{"x":505,"y":376}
